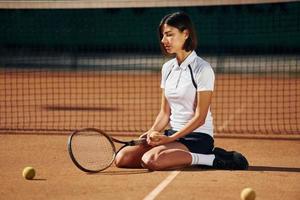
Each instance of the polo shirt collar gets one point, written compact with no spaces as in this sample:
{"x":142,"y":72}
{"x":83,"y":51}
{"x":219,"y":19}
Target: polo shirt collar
{"x":188,"y":60}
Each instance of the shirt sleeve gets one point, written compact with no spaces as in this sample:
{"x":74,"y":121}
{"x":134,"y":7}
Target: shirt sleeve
{"x":205,"y":79}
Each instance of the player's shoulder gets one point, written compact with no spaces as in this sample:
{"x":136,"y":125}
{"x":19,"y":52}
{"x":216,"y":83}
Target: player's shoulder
{"x":200,"y":64}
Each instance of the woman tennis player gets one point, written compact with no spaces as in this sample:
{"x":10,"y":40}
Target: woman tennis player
{"x":187,"y":87}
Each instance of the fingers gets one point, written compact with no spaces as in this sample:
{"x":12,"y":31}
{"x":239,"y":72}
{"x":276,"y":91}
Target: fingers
{"x":157,"y":140}
{"x":155,"y":136}
{"x":143,"y":136}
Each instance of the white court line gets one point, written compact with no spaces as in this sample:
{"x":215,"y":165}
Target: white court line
{"x":152,"y":195}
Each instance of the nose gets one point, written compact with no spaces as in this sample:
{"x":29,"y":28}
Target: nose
{"x":163,"y":39}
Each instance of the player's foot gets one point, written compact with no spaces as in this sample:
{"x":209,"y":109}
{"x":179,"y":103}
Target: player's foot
{"x":230,"y":160}
{"x":222,"y":164}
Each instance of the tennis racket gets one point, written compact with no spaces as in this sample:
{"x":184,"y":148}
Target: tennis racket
{"x":92,"y":150}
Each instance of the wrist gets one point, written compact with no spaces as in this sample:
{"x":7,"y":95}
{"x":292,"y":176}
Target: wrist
{"x":173,"y":137}
{"x":154,"y":129}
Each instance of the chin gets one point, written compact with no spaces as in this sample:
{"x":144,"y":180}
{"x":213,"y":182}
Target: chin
{"x":170,"y":51}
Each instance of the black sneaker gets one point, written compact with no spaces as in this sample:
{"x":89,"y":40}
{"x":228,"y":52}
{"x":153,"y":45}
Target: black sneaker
{"x":223,"y":153}
{"x":230,"y":160}
{"x":221,"y":163}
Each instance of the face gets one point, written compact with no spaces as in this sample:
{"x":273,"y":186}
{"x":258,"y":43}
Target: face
{"x":173,"y":39}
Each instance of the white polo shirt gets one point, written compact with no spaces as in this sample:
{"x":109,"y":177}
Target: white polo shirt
{"x":181,"y":93}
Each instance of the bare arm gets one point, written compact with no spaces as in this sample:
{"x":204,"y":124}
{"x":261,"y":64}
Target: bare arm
{"x":163,"y":117}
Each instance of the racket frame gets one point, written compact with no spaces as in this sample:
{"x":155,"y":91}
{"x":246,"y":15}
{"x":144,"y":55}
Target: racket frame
{"x":90,"y":130}
{"x":109,"y":138}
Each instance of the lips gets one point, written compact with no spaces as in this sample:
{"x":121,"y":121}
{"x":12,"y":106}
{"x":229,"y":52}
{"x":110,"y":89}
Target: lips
{"x":167,"y":47}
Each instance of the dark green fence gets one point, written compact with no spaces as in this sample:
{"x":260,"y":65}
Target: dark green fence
{"x":262,"y":28}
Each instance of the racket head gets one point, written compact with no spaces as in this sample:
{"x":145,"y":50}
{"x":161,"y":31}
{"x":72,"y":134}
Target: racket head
{"x":91,"y":150}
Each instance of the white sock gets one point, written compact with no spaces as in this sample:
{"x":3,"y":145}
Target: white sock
{"x":202,"y":159}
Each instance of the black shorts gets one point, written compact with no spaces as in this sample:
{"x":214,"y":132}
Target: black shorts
{"x":196,"y":142}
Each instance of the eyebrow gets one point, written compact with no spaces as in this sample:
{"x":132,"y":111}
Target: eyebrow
{"x":167,"y":32}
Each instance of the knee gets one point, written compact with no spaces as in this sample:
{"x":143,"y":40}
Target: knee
{"x":151,"y":162}
{"x":123,"y":159}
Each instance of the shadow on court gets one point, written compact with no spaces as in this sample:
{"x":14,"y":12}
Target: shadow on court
{"x":78,"y":108}
{"x":251,"y":168}
{"x":39,"y":179}
{"x":122,"y":172}
{"x":273,"y":169}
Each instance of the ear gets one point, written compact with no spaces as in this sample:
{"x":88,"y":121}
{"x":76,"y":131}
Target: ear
{"x":186,"y":33}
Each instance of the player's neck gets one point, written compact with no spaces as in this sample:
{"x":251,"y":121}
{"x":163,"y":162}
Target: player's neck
{"x":182,"y":55}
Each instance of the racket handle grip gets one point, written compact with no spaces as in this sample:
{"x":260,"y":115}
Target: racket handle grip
{"x":137,"y":142}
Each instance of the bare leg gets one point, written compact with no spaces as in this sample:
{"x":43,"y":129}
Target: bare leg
{"x":131,"y":156}
{"x":168,"y":156}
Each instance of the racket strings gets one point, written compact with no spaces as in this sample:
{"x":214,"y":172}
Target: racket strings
{"x":92,"y":151}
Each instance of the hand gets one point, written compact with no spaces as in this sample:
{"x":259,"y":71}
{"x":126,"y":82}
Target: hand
{"x":156,"y":138}
{"x":153,"y":136}
{"x":144,"y":135}
{"x":148,"y":133}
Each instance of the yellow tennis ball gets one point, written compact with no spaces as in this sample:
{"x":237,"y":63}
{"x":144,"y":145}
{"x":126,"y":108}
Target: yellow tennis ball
{"x":28,"y":173}
{"x":248,"y":194}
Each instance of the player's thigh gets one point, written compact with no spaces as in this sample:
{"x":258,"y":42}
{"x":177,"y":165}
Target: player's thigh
{"x":173,"y":146}
{"x":168,"y":156}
